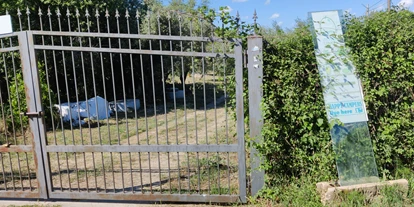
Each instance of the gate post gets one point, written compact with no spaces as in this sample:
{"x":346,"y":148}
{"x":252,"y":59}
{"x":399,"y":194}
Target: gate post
{"x":255,"y":68}
{"x":34,"y":106}
{"x":238,"y":50}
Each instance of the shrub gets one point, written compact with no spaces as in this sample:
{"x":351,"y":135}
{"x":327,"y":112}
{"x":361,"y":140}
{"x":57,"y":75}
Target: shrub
{"x":18,"y":100}
{"x":296,"y":132}
{"x":383,"y":55}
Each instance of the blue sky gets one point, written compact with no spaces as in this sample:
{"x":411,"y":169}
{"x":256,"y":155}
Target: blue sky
{"x":285,"y":12}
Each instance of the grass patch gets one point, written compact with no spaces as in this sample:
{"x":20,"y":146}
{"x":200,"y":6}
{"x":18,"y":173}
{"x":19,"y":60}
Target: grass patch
{"x":302,"y":192}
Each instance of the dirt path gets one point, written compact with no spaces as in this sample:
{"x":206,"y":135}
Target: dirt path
{"x":117,"y":172}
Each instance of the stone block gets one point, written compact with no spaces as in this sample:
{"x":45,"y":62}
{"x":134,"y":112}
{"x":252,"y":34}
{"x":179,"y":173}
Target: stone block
{"x":329,"y":191}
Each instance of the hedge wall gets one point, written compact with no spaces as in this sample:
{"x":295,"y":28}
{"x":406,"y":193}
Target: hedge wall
{"x":296,"y":131}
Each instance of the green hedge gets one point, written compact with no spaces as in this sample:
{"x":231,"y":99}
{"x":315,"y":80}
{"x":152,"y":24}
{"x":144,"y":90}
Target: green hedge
{"x":296,"y":131}
{"x":383,"y":53}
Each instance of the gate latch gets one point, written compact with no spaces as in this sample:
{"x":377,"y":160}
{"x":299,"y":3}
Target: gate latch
{"x":39,"y":113}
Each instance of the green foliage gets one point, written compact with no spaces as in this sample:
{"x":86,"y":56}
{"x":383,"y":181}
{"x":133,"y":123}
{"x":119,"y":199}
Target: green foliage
{"x":351,"y":198}
{"x":386,"y":196}
{"x":18,"y":101}
{"x":300,"y":193}
{"x":296,"y":131}
{"x":383,"y":55}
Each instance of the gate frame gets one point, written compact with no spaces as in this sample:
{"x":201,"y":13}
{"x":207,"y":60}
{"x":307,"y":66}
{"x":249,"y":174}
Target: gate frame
{"x":41,"y":151}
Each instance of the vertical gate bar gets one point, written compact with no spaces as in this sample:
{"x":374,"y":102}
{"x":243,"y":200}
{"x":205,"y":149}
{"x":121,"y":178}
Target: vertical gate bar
{"x":11,"y":171}
{"x":49,"y":14}
{"x":214,"y":102}
{"x":135,"y":104}
{"x":6,"y":129}
{"x":125,"y":107}
{"x":19,"y":14}
{"x":48,"y":86}
{"x":13,"y":124}
{"x":165,"y":103}
{"x":33,"y":92}
{"x":153,"y":95}
{"x":175,"y":106}
{"x":2,"y":170}
{"x":11,"y":115}
{"x":86,"y":99}
{"x":226,"y":111}
{"x":68,"y":100}
{"x":137,"y":16}
{"x":215,"y":112}
{"x":228,"y":172}
{"x":20,"y":117}
{"x":185,"y":101}
{"x":1,"y":154}
{"x":225,"y":99}
{"x":28,"y":17}
{"x":227,"y":127}
{"x":195,"y":105}
{"x":77,"y":101}
{"x":225,"y":91}
{"x":205,"y":97}
{"x":114,"y":93}
{"x":238,"y":50}
{"x":87,"y":15}
{"x":255,"y":45}
{"x":105,"y":96}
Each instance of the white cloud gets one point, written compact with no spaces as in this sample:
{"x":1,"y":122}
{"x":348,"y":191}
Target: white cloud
{"x":274,"y":16}
{"x":406,"y":3}
{"x":239,"y":0}
{"x":267,"y":2}
{"x":228,"y":9}
{"x":279,"y":23}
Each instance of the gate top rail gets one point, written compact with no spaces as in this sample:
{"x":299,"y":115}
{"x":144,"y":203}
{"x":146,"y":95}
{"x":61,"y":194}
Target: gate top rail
{"x":132,"y":36}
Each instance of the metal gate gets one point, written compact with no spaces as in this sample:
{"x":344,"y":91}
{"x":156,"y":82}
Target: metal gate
{"x":122,"y":108}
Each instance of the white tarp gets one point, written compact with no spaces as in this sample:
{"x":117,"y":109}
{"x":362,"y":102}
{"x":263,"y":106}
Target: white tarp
{"x":97,"y":106}
{"x":179,"y":94}
{"x":131,"y":104}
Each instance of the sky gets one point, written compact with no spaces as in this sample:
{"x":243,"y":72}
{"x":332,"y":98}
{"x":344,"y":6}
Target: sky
{"x":285,"y":12}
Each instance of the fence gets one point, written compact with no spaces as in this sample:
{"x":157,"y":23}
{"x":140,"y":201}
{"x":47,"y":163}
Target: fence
{"x":121,"y":107}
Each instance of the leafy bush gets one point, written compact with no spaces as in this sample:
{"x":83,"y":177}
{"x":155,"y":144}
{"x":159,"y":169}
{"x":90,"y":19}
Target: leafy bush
{"x":296,"y":133}
{"x":18,"y":101}
{"x":296,"y":130}
{"x":383,"y":55}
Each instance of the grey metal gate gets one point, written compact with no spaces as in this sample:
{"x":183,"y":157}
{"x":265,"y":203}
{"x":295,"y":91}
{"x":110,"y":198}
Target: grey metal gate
{"x":124,"y":108}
